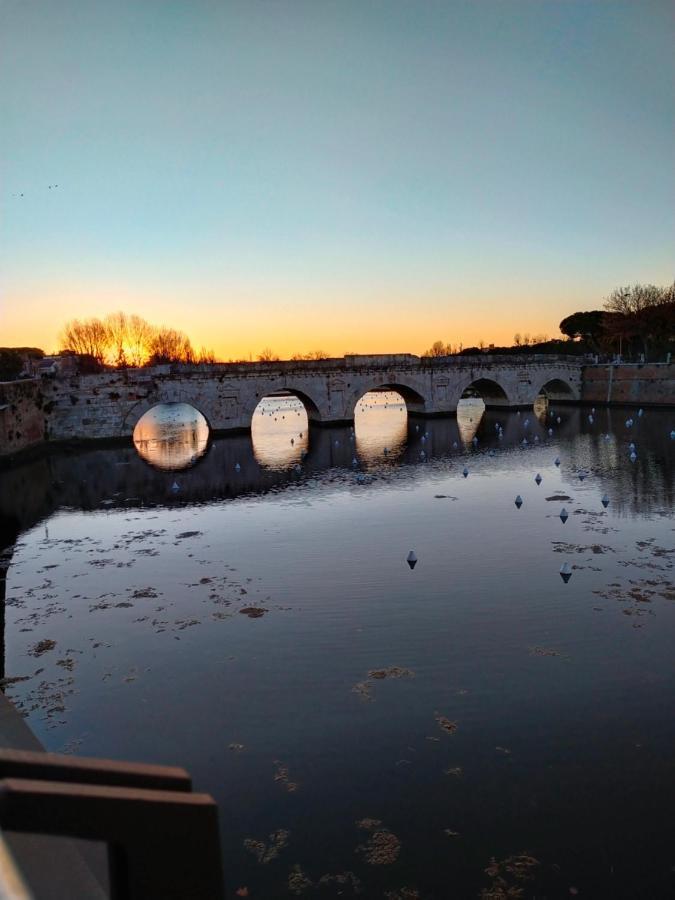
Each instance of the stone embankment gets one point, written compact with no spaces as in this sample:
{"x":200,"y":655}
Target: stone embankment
{"x":646,"y":384}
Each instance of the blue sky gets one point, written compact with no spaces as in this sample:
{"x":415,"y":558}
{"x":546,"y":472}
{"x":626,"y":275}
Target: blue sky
{"x":350,"y":175}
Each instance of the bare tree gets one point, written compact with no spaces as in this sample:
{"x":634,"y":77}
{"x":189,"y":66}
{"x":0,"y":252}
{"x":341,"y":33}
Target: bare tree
{"x":139,"y":335}
{"x":88,"y":337}
{"x":313,"y":354}
{"x":267,"y":355}
{"x":641,"y":314}
{"x":118,"y":330}
{"x":438,"y":348}
{"x":206,"y":357}
{"x":168,"y":345}
{"x":517,"y":339}
{"x":628,"y":300}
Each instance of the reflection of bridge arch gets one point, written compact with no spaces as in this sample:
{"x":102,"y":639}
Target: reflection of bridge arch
{"x":490,"y":392}
{"x":414,"y":401}
{"x":558,"y":389}
{"x":172,"y":436}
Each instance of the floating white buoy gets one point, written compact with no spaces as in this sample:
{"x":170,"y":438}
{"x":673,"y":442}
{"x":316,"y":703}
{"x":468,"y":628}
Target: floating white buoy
{"x":558,"y":420}
{"x":422,"y":454}
{"x":536,"y":438}
{"x":550,"y":432}
{"x":605,"y":501}
{"x":590,"y":419}
{"x":582,"y":475}
{"x":417,"y":427}
{"x":524,"y":442}
{"x":566,"y":572}
{"x":607,"y":437}
{"x":298,"y":468}
{"x":454,"y":445}
{"x":517,"y":412}
{"x":355,"y":462}
{"x":556,"y":462}
{"x":474,"y":440}
{"x":518,"y":501}
{"x":672,"y":435}
{"x":500,"y":435}
{"x":593,"y":410}
{"x":337,"y":443}
{"x":631,"y":446}
{"x":237,"y":467}
{"x":465,"y":472}
{"x":538,"y":478}
{"x":423,"y":439}
{"x":411,"y":559}
{"x":175,"y":487}
{"x":640,"y":412}
{"x":564,"y":515}
{"x":633,"y":456}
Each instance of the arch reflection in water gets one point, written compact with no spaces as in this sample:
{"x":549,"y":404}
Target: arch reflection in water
{"x":380,"y":423}
{"x":470,"y":412}
{"x":540,"y":408}
{"x":171,"y":436}
{"x":280,"y":432}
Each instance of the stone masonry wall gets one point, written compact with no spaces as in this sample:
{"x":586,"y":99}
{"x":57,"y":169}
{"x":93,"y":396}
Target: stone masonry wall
{"x":630,"y":384}
{"x":22,"y":417}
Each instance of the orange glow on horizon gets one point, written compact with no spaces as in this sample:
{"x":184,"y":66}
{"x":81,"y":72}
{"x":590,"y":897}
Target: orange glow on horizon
{"x":241,"y":330}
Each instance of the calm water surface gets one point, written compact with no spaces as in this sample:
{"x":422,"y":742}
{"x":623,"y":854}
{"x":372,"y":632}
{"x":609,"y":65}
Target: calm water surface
{"x":368,"y":729}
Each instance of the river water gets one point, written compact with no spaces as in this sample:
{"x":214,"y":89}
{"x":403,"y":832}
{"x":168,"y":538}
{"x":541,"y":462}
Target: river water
{"x":243,"y":607}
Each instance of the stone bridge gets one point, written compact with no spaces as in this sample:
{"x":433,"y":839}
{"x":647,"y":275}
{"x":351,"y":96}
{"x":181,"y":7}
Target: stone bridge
{"x":108,"y":405}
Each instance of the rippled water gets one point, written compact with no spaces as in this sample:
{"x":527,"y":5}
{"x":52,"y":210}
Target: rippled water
{"x":252,"y":618}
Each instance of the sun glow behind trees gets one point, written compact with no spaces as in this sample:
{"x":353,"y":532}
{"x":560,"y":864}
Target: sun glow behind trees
{"x":122,"y":340}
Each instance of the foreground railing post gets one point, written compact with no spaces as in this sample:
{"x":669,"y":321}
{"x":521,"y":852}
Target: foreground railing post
{"x":163,"y":843}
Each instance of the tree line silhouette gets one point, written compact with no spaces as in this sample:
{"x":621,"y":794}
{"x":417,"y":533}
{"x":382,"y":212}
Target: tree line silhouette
{"x":123,"y":340}
{"x":637,"y":321}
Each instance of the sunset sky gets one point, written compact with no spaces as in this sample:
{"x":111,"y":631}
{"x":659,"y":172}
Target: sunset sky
{"x":352,"y":176}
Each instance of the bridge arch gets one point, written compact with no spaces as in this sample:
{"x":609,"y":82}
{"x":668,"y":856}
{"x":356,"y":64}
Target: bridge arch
{"x":414,"y":401}
{"x":133,"y":415}
{"x":558,"y":389}
{"x":488,"y":390}
{"x":311,"y":407}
